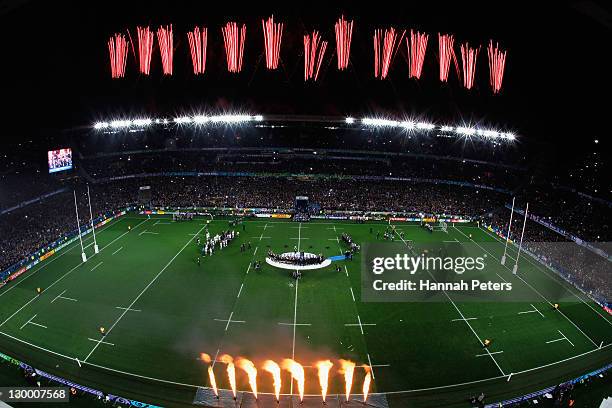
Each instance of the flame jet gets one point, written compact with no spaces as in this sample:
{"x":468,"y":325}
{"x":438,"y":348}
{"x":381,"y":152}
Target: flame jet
{"x":274,"y":369}
{"x":231,"y":371}
{"x":211,"y":374}
{"x":297,"y":372}
{"x":347,"y":368}
{"x":323,"y":368}
{"x":249,"y":368}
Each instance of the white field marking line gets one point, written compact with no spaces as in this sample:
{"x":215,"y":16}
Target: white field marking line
{"x":31,"y":322}
{"x":229,"y":321}
{"x":346,"y":271}
{"x":484,"y":355}
{"x":88,"y":245}
{"x":149,"y":232}
{"x":308,"y":395}
{"x":299,"y":239}
{"x":501,"y":277}
{"x":140,"y":294}
{"x":117,"y":250}
{"x":371,"y":366}
{"x":128,"y":309}
{"x":295,"y":324}
{"x":234,"y":306}
{"x":554,"y":277}
{"x":297,"y":284}
{"x":300,"y":227}
{"x":334,"y":239}
{"x":532,"y":288}
{"x":565,"y":337}
{"x":464,"y":318}
{"x":357,"y":324}
{"x":100,"y":341}
{"x":53,"y":259}
{"x":240,"y":291}
{"x":60,"y":296}
{"x":262,"y":237}
{"x":96,"y":267}
{"x":352,"y":294}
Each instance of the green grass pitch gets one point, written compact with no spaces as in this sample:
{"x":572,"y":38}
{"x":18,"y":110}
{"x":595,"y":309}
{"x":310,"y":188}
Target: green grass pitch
{"x":161,"y":309}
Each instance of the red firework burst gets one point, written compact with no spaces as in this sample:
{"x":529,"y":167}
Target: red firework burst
{"x":497,"y":64}
{"x":233,"y":38}
{"x":198,"y":40}
{"x":385,"y":48}
{"x":166,"y":48}
{"x":417,"y":45}
{"x":118,"y":51}
{"x":145,"y":48}
{"x":469,"y":57}
{"x":446,"y":48}
{"x":314,"y":50}
{"x":344,"y":34}
{"x":273,"y":35}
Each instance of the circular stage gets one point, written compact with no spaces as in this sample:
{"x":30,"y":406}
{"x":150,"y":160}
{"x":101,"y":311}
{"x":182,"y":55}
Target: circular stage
{"x":292,"y":261}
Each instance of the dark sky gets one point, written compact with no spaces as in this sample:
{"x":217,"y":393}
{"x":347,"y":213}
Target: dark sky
{"x":55,"y":72}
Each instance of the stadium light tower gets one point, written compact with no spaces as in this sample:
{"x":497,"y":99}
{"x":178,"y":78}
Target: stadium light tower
{"x":76,"y":209}
{"x":515,"y":269}
{"x":503,"y":260}
{"x":93,"y":229}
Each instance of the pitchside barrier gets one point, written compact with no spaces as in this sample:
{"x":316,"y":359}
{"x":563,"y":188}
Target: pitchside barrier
{"x":114,"y":399}
{"x":41,"y":254}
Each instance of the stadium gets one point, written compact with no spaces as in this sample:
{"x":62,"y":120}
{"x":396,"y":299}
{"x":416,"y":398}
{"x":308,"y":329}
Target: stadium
{"x":305,"y":205}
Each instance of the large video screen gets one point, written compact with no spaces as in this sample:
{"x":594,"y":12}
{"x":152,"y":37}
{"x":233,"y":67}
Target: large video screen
{"x":59,"y":160}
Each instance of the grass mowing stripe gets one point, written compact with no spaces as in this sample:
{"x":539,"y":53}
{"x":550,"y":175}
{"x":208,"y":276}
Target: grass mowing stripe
{"x":534,"y":289}
{"x":554,"y":277}
{"x":460,"y":313}
{"x":142,"y":292}
{"x":29,"y":275}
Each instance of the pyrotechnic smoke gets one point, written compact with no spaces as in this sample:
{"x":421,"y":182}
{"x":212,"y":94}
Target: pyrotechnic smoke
{"x":231,"y":371}
{"x":273,"y":368}
{"x":297,"y":372}
{"x":323,"y":368}
{"x":347,"y":368}
{"x":249,"y":368}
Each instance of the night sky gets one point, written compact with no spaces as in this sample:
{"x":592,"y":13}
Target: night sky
{"x":56,"y":75}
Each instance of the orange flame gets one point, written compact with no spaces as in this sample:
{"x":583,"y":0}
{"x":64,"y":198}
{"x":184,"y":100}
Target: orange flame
{"x":323,"y":368}
{"x":213,"y":382}
{"x":231,"y":371}
{"x":249,"y":368}
{"x":366,"y":383}
{"x":297,"y":372}
{"x":347,"y":368}
{"x":273,"y":368}
{"x":211,"y":374}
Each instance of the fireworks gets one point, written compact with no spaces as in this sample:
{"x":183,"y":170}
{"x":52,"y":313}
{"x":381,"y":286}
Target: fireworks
{"x":145,"y":48}
{"x":469,"y":57}
{"x":117,"y":50}
{"x":323,"y":368}
{"x":314,"y":50}
{"x":416,"y":52}
{"x":344,"y":34}
{"x":384,"y":50}
{"x":348,"y":369}
{"x":366,"y":383}
{"x":497,"y":64}
{"x":231,"y":371}
{"x":233,"y":38}
{"x":273,"y":368}
{"x":198,"y":41}
{"x":273,"y":34}
{"x":249,"y":368}
{"x":446,"y":43}
{"x":166,"y":48}
{"x":297,"y":373}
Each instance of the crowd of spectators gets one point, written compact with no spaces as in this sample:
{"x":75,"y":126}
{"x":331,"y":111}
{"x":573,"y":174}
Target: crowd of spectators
{"x":583,"y":267}
{"x":27,"y":229}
